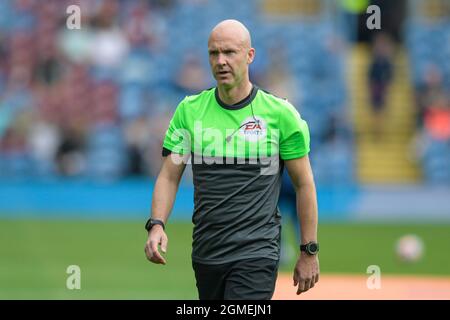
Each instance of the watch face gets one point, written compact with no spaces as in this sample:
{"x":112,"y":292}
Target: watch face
{"x":313,"y":248}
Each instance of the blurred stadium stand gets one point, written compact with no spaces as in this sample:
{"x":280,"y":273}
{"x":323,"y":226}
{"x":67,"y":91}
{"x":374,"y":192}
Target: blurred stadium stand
{"x":93,"y":104}
{"x":69,"y":97}
{"x":428,"y":42}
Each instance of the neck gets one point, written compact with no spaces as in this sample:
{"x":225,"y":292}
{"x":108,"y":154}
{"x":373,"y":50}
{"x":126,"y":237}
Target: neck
{"x":233,"y":95}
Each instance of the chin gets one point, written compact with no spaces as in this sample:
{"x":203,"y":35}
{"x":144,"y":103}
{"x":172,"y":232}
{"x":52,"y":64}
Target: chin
{"x":225,"y":83}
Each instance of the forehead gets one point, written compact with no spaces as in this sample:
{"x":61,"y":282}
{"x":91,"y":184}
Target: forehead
{"x":224,"y":41}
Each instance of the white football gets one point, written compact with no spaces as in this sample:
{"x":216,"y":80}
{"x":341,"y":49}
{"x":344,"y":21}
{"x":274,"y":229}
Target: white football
{"x":410,"y":248}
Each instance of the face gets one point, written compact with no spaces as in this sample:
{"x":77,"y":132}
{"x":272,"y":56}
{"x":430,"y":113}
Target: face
{"x":229,"y":60}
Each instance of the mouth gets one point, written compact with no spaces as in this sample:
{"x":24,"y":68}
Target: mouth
{"x":222,"y":73}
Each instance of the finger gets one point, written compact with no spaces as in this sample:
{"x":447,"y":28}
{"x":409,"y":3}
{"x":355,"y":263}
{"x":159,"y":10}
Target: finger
{"x":316,"y":278}
{"x":164,"y":241}
{"x":299,"y":290}
{"x":295,"y":278}
{"x":312,"y":282}
{"x":147,"y":252}
{"x":307,"y":284}
{"x":156,"y":256}
{"x":301,"y":286}
{"x":157,"y":260}
{"x":154,"y":250}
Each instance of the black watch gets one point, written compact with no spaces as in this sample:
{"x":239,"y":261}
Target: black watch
{"x":311,"y":248}
{"x":151,"y":222}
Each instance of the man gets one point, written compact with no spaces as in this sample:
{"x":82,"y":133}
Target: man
{"x":380,"y":78}
{"x":237,"y":227}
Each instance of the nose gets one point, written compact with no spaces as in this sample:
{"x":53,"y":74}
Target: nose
{"x":221,"y":59}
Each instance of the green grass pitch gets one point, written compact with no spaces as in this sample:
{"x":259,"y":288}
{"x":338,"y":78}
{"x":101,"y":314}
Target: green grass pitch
{"x":34,"y":256}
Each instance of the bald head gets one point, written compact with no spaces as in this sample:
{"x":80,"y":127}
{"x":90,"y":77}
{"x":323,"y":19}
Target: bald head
{"x":233,"y":30}
{"x":230,"y":53}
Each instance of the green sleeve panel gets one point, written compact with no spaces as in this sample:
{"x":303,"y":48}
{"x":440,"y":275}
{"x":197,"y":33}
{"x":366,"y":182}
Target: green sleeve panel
{"x":294,"y":137}
{"x":178,"y":138}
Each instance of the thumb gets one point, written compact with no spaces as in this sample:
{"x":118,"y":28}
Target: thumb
{"x":164,"y":244}
{"x":295,"y":278}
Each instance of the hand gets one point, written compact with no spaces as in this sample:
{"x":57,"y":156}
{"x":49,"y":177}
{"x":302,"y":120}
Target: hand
{"x":306,"y":272}
{"x":156,"y":237}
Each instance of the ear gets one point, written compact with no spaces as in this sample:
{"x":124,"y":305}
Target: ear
{"x":251,"y":55}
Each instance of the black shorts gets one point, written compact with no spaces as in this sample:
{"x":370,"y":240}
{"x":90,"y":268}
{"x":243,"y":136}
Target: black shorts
{"x":248,"y":279}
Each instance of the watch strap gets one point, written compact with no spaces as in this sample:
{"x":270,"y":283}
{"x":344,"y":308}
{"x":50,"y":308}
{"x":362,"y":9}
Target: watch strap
{"x":151,"y":222}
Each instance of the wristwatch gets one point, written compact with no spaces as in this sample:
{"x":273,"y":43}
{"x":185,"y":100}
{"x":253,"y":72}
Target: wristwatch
{"x":151,"y":222}
{"x":311,"y":248}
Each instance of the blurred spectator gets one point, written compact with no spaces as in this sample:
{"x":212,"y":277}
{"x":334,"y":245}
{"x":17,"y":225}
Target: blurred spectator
{"x":380,"y":77}
{"x":48,"y":70}
{"x":158,"y":126}
{"x":431,"y":145}
{"x":137,"y":136}
{"x":437,"y":118}
{"x":13,"y":147}
{"x":192,"y":77}
{"x":43,"y":141}
{"x":48,"y":67}
{"x":70,"y":158}
{"x":349,"y":15}
{"x":428,"y":90}
{"x":334,"y":160}
{"x":145,"y":27}
{"x":109,"y":44}
{"x":13,"y":141}
{"x":278,"y":79}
